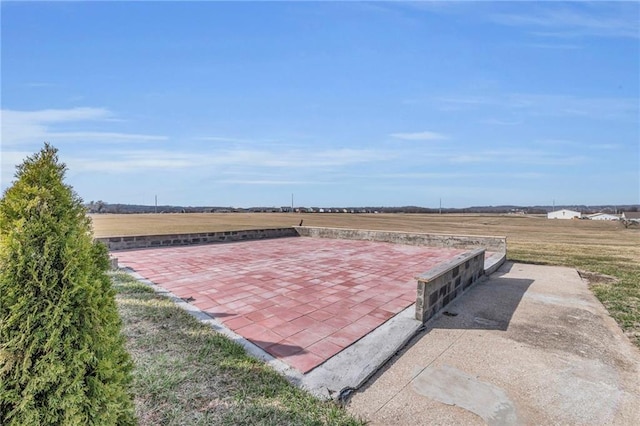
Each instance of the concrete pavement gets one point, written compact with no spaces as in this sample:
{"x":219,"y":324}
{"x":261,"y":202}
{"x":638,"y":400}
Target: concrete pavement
{"x":531,"y":345}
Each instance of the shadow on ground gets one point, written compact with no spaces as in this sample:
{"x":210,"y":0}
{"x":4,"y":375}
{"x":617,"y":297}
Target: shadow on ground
{"x":489,"y":305}
{"x":218,"y":314}
{"x":279,"y":349}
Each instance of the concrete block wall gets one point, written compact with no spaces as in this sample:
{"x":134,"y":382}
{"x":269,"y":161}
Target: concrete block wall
{"x":145,"y":241}
{"x":438,"y":287}
{"x":466,"y":242}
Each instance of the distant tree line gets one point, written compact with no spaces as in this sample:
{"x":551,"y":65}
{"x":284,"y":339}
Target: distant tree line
{"x":104,"y":207}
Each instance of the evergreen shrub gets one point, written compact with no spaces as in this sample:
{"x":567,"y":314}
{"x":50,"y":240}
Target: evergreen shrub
{"x":62,"y":354}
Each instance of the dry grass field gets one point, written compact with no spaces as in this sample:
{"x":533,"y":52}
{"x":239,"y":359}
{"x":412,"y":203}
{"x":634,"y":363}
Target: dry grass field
{"x":517,"y":228}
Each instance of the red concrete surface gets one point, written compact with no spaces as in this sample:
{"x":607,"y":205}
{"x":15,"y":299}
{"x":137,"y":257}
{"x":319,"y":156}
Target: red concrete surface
{"x":301,"y":299}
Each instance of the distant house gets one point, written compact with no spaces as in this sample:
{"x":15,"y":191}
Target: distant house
{"x":564,"y":214}
{"x":603,"y":216}
{"x":632,"y":216}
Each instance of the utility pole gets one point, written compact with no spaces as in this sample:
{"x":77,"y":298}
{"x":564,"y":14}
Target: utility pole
{"x":440,"y":205}
{"x":292,"y":202}
{"x":156,"y":210}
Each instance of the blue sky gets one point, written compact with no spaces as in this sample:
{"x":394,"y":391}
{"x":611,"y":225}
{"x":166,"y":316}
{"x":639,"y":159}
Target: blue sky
{"x":339,"y":103}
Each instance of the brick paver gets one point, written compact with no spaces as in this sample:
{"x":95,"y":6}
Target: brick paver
{"x":301,"y":299}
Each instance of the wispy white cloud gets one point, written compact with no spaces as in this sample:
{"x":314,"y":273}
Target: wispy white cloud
{"x":548,"y":19}
{"x":296,"y":158}
{"x":520,"y":157}
{"x":462,"y":102}
{"x":555,"y":143}
{"x":223,"y":139}
{"x":605,"y":146}
{"x":435,"y":7}
{"x":132,"y":161}
{"x":271,"y":182}
{"x":544,"y":105}
{"x":459,"y":175}
{"x":557,"y":46}
{"x":575,"y":145}
{"x":609,"y":19}
{"x":500,"y":122}
{"x":57,"y":115}
{"x":342,"y":157}
{"x":104,"y":136}
{"x":137,"y":160}
{"x":229,"y":139}
{"x":38,"y":85}
{"x":29,"y":127}
{"x":420,"y":136}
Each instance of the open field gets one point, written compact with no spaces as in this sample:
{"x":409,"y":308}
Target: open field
{"x":519,"y":229}
{"x":187,"y":374}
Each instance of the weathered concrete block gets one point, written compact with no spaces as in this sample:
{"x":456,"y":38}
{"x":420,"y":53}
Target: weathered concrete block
{"x":143,"y":241}
{"x":113,"y":262}
{"x":468,"y":242}
{"x":442,"y":284}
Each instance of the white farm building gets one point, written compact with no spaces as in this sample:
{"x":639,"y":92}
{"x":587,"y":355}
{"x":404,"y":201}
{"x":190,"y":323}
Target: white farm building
{"x":564,"y":214}
{"x":603,"y":216}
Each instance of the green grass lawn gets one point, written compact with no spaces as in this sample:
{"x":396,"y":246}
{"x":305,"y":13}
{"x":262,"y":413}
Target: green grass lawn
{"x":187,"y":374}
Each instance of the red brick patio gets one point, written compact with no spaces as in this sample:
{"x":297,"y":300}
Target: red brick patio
{"x":301,"y":299}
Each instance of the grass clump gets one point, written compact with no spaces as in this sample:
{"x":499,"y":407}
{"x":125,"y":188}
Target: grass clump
{"x":186,"y":373}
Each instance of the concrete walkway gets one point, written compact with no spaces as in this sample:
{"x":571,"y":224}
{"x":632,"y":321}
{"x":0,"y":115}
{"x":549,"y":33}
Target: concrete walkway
{"x":531,"y":345}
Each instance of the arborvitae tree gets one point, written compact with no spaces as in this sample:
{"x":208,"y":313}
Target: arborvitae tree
{"x":62,"y":354}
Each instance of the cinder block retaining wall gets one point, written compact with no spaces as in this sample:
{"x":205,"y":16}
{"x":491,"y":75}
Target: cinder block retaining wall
{"x":144,"y":241}
{"x":438,"y":287}
{"x":493,"y":244}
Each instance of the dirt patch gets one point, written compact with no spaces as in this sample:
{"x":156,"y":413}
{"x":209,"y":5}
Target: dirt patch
{"x":572,"y":331}
{"x":593,"y":278}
